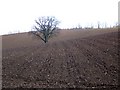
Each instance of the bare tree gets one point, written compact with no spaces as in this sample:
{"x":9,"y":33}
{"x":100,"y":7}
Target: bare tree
{"x":45,"y":27}
{"x":116,"y":24}
{"x":98,"y":25}
{"x":79,"y":26}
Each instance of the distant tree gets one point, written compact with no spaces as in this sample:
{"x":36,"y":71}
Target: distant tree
{"x":92,"y":26}
{"x":116,"y":24}
{"x":98,"y":25}
{"x":105,"y":25}
{"x":79,"y":26}
{"x":46,"y":27}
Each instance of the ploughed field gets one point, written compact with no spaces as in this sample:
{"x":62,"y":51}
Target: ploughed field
{"x":83,"y":58}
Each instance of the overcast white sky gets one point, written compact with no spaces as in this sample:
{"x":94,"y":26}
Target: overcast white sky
{"x":19,"y":15}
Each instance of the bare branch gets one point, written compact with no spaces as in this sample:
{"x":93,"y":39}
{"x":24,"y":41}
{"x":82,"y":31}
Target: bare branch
{"x":36,"y":34}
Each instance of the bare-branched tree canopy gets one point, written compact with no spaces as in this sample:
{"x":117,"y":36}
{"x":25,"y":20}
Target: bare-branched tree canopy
{"x":45,"y":27}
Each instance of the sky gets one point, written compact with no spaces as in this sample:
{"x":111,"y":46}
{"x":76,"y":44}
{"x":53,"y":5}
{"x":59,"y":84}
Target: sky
{"x":20,"y":15}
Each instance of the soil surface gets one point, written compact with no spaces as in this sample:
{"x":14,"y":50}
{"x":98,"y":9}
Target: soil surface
{"x":80,"y":59}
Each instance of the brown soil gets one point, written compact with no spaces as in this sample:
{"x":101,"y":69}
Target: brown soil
{"x":81,"y":59}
